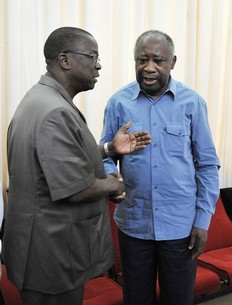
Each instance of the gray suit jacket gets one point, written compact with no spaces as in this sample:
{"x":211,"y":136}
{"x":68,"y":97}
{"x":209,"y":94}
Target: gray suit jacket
{"x":51,"y":245}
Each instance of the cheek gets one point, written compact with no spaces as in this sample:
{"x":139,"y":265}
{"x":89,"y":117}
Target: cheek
{"x":138,"y":72}
{"x":164,"y":73}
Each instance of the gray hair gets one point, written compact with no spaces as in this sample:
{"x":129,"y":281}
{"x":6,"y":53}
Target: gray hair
{"x":155,"y":34}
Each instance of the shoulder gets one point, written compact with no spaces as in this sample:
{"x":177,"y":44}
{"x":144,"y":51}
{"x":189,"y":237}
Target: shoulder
{"x":127,"y":90}
{"x":125,"y":94}
{"x":183,"y":91}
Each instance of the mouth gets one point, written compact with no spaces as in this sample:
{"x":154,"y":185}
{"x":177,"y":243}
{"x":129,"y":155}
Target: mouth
{"x":95,"y":77}
{"x":149,"y":81}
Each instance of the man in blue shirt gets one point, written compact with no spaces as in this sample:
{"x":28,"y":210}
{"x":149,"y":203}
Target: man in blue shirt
{"x":171,"y":187}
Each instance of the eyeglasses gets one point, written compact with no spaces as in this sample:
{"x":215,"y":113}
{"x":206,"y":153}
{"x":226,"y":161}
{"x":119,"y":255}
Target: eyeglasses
{"x":94,"y":57}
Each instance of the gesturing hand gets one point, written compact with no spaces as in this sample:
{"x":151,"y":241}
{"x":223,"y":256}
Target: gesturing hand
{"x":126,"y":143}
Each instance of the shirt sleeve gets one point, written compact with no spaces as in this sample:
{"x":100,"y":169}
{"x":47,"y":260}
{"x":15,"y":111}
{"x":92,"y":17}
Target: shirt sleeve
{"x":63,"y":156}
{"x":206,"y":165}
{"x":110,"y":128}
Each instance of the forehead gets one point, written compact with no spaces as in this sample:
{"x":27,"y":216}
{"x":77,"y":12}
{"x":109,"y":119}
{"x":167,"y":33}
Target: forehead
{"x":86,"y":43}
{"x":157,"y":46}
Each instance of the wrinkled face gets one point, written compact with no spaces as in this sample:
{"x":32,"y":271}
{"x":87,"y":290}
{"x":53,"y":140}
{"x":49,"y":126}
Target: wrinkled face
{"x":153,"y":63}
{"x":84,"y":65}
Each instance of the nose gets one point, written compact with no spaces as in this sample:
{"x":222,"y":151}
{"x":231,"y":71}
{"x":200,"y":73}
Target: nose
{"x":98,"y":65}
{"x":150,"y":66}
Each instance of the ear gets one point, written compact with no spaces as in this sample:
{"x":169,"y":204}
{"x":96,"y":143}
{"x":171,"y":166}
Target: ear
{"x":173,"y":62}
{"x":64,"y":61}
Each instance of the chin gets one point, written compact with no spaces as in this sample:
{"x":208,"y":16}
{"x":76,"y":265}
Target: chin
{"x":149,"y":90}
{"x":90,"y":87}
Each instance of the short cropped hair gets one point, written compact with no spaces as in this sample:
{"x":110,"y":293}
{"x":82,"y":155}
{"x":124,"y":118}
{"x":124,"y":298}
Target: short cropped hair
{"x":62,"y":39}
{"x":155,"y":34}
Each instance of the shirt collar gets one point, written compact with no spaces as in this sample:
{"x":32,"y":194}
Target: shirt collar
{"x":51,"y":82}
{"x":170,"y":88}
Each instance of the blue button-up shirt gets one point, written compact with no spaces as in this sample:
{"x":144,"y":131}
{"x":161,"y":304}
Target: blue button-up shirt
{"x":172,"y":185}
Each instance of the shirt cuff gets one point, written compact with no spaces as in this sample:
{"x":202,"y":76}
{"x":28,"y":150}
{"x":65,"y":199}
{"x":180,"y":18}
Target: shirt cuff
{"x":202,"y":219}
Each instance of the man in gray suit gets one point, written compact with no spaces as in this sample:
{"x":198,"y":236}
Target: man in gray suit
{"x":57,"y":231}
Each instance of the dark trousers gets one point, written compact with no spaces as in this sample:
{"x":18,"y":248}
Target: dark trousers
{"x":72,"y":297}
{"x":145,"y":260}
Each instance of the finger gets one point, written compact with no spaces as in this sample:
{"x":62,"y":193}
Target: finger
{"x":196,"y":252}
{"x":141,"y":133}
{"x":143,"y":138}
{"x":201,"y":247}
{"x":143,"y":142}
{"x":192,"y":242}
{"x":115,"y":174}
{"x":118,"y":198}
{"x":139,"y":147}
{"x":198,"y":249}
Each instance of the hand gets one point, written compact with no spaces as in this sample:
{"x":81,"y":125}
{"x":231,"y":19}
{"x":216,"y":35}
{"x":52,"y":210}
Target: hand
{"x":126,"y":143}
{"x":119,"y":198}
{"x":198,"y":239}
{"x":117,"y":188}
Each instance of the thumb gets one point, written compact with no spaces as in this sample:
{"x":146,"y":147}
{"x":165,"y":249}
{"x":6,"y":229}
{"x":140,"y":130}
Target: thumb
{"x":192,"y":242}
{"x":119,"y":177}
{"x":125,"y":127}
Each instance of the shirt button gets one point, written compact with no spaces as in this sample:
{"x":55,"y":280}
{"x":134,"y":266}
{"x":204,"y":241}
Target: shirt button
{"x":155,"y":187}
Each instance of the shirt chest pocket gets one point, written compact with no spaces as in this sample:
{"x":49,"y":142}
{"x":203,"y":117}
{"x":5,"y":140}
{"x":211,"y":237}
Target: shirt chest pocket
{"x":176,"y":139}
